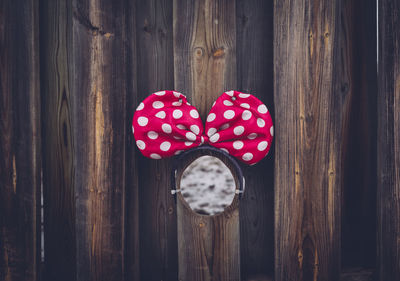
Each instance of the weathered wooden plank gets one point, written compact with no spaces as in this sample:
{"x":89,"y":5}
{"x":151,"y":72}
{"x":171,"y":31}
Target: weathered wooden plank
{"x":158,"y":242}
{"x":359,"y":190}
{"x":389,"y":141}
{"x":208,"y":245}
{"x":58,"y":157}
{"x":311,"y":108}
{"x":132,"y":246}
{"x":99,"y":136}
{"x":204,"y":50}
{"x":20,"y":165}
{"x":205,"y":67}
{"x":255,"y":76}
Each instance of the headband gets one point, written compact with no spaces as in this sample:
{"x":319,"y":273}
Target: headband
{"x":165,"y":124}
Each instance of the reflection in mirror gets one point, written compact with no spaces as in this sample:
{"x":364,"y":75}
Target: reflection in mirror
{"x":207,"y":185}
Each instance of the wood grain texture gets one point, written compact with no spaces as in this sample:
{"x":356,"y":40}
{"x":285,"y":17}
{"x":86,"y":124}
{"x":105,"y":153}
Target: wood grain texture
{"x":311,"y":109}
{"x":99,"y":136}
{"x":209,"y":246}
{"x":255,"y":76}
{"x":132,"y":238}
{"x":20,"y":164}
{"x":58,"y":155}
{"x":158,"y":241}
{"x":204,"y":50}
{"x":205,"y":67}
{"x":389,"y":141}
{"x":359,"y":190}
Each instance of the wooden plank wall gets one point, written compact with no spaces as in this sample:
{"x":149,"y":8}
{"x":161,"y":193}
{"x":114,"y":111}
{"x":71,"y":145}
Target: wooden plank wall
{"x":312,"y":108}
{"x":359,"y":186}
{"x":58,"y":157}
{"x":86,"y":127}
{"x":254,"y":50}
{"x":132,"y":246}
{"x":209,"y":246}
{"x":205,"y":67}
{"x":340,"y":57}
{"x":155,"y":71}
{"x":20,"y":164}
{"x":108,"y":210}
{"x":389,"y":141}
{"x":210,"y":58}
{"x":99,"y":137}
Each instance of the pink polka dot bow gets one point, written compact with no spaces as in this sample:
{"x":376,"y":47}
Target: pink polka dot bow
{"x":165,"y":124}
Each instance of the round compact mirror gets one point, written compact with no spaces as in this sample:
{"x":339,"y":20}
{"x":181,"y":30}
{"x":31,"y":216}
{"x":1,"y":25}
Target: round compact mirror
{"x":207,"y":185}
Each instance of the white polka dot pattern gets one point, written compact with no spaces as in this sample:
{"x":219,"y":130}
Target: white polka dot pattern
{"x":161,"y":114}
{"x":238,"y":144}
{"x":241,"y":95}
{"x":260,"y":122}
{"x":252,"y":136}
{"x":190,"y":136}
{"x":227,"y":103}
{"x":249,"y":126}
{"x":229,"y":114}
{"x":140,"y":107}
{"x":177,"y":113}
{"x":155,"y":156}
{"x":246,"y":115}
{"x":262,"y":146}
{"x":238,"y":130}
{"x":141,"y":144}
{"x":158,"y":104}
{"x":166,"y":128}
{"x":188,"y":143}
{"x":165,"y":124}
{"x":214,"y":138}
{"x":247,"y":156}
{"x":142,"y":121}
{"x":211,"y":117}
{"x":194,"y":114}
{"x":165,"y":146}
{"x":262,"y":109}
{"x":152,"y":135}
{"x":195,"y":129}
{"x":211,"y":131}
{"x":245,"y":105}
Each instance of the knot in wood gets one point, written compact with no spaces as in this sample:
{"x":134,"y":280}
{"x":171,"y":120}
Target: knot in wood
{"x":220,"y":52}
{"x":198,"y":52}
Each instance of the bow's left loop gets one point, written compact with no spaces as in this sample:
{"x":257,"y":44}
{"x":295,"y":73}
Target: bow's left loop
{"x":165,"y":124}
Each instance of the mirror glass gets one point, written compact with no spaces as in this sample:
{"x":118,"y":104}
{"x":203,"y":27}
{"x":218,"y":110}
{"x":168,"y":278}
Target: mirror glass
{"x":208,"y":185}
